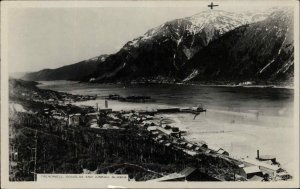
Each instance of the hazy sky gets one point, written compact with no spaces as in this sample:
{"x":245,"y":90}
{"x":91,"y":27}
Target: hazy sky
{"x":46,"y":37}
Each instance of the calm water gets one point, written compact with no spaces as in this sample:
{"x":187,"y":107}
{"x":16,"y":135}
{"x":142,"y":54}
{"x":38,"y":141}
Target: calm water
{"x":267,"y":101}
{"x":231,"y":121}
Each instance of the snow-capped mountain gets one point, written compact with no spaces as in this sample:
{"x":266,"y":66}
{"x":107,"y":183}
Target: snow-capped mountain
{"x":192,"y":33}
{"x":171,"y":50}
{"x":210,"y":21}
{"x":260,"y":51}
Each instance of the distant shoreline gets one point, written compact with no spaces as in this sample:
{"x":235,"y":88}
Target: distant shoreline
{"x":252,"y":86}
{"x":171,"y":83}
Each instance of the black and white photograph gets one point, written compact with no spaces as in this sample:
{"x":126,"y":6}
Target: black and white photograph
{"x":149,"y":94}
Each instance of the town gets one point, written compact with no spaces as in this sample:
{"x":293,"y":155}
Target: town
{"x":48,"y":134}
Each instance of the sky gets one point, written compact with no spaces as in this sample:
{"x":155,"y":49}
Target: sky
{"x":50,"y":37}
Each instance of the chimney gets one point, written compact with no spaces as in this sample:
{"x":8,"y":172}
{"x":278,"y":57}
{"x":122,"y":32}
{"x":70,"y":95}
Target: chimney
{"x":257,"y":154}
{"x":106,"y":104}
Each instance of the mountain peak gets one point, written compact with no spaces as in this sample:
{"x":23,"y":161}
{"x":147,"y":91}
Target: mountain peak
{"x":213,"y":44}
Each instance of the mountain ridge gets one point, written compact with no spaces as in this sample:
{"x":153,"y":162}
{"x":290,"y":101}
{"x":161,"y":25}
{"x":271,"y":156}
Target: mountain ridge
{"x":68,"y":72}
{"x":167,"y":52}
{"x":253,"y":53}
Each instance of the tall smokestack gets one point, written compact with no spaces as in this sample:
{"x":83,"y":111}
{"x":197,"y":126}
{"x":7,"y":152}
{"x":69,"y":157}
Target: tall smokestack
{"x":257,"y":154}
{"x":106,"y":104}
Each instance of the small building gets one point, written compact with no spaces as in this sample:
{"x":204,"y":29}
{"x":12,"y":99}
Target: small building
{"x":249,"y":172}
{"x":223,"y":152}
{"x":152,"y":128}
{"x":267,"y":159}
{"x":214,"y":148}
{"x":256,"y":178}
{"x":176,"y":134}
{"x":92,"y":116}
{"x":58,"y":114}
{"x":202,"y":144}
{"x":154,"y":133}
{"x":183,"y":144}
{"x":159,"y":137}
{"x":94,"y":125}
{"x":92,"y":121}
{"x":189,"y":146}
{"x":105,"y":110}
{"x":149,"y":117}
{"x":51,"y":100}
{"x":190,"y":152}
{"x":187,"y":174}
{"x":109,"y":127}
{"x":183,"y":132}
{"x":241,"y":165}
{"x":198,"y":149}
{"x":264,"y":167}
{"x":74,"y":119}
{"x":168,"y":144}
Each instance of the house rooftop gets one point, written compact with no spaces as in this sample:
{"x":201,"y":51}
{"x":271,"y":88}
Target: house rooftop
{"x":256,"y":178}
{"x":77,"y":114}
{"x":184,"y":173}
{"x":168,"y":132}
{"x":251,"y":169}
{"x":190,"y":152}
{"x":152,"y":128}
{"x":94,"y":113}
{"x":221,"y":151}
{"x":214,"y":148}
{"x":261,"y":164}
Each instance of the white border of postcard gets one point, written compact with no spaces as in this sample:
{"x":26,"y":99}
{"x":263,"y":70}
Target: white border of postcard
{"x":115,"y":183}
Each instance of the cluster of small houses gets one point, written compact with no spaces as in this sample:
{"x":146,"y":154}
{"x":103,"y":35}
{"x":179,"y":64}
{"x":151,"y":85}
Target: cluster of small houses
{"x":170,"y":136}
{"x":259,"y":169}
{"x":53,"y":98}
{"x":76,"y":119}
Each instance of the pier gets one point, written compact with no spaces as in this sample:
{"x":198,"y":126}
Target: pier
{"x":192,"y":110}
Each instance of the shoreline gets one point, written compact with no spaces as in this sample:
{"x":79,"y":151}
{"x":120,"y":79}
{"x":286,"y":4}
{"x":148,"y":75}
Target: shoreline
{"x":202,"y":125}
{"x":216,"y":126}
{"x":42,"y":83}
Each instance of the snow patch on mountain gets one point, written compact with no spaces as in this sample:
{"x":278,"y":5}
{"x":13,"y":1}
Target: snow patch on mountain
{"x":263,"y":69}
{"x":192,"y":75}
{"x":134,"y":43}
{"x":189,"y":52}
{"x":211,"y":22}
{"x":223,"y":21}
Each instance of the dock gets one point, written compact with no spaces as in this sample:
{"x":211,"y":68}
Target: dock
{"x":192,"y":110}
